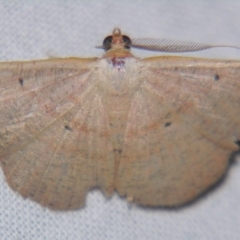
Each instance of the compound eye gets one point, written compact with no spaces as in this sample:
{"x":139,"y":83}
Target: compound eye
{"x":107,"y":43}
{"x":127,"y":41}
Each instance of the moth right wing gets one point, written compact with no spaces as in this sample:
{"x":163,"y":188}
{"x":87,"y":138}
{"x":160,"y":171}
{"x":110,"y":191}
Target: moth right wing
{"x":183,"y":125}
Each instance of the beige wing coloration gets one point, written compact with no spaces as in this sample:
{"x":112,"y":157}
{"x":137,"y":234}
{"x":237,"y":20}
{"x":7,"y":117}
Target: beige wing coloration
{"x":54,"y":135}
{"x":159,"y":131}
{"x":183,"y":125}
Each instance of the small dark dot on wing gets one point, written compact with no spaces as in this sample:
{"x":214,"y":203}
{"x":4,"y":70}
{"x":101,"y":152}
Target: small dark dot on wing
{"x":20,"y":81}
{"x":117,"y":150}
{"x":216,"y":77}
{"x":68,"y":128}
{"x":167,"y":124}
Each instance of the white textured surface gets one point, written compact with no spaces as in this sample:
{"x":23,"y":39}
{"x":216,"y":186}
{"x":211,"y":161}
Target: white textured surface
{"x":39,"y":29}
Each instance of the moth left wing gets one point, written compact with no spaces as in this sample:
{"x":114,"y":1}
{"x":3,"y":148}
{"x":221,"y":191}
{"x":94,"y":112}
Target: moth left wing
{"x":183,"y":125}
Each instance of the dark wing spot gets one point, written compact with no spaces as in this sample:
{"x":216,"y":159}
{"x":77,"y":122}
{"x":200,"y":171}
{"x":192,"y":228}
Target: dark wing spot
{"x":216,"y":77}
{"x":117,"y":150}
{"x":20,"y":81}
{"x":167,"y":124}
{"x":68,"y":128}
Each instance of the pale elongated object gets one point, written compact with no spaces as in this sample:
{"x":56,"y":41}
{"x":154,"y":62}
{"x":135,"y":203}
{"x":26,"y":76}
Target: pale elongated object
{"x":159,"y":131}
{"x":168,"y":45}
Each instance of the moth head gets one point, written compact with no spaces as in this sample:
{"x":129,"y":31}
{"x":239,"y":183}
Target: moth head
{"x":116,"y":41}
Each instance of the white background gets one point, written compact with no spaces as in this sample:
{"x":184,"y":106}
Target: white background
{"x":41,"y":29}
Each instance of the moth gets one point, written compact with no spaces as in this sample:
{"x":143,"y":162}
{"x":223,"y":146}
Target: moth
{"x":159,"y":131}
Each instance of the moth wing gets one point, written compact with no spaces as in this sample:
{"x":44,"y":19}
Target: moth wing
{"x":54,"y":142}
{"x":183,"y":125}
